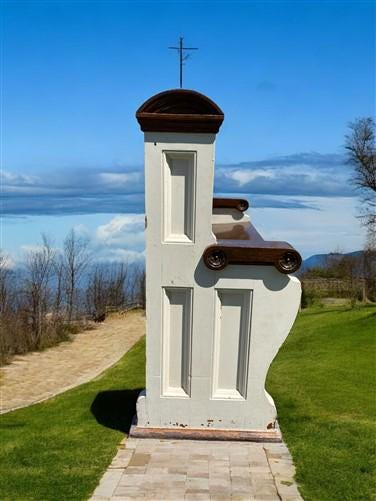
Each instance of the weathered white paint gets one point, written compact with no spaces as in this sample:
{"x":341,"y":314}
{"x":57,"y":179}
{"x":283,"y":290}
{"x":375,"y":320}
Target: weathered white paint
{"x":211,"y":336}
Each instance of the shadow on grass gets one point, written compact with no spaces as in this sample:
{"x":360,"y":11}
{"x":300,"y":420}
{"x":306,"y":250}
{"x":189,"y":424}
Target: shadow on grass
{"x":115,"y":408}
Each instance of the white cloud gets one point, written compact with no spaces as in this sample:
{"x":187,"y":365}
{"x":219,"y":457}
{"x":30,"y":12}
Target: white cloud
{"x":333,"y":227}
{"x":122,"y":238}
{"x":244,"y":176}
{"x":125,"y":229}
{"x":81,"y":230}
{"x":119,"y":178}
{"x":7,"y":261}
{"x":11,"y":178}
{"x":119,"y":255}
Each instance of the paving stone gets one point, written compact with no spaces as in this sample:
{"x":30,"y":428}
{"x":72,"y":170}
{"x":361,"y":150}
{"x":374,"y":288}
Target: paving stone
{"x":218,"y":483}
{"x":219,"y":462}
{"x":139,"y":459}
{"x":127,"y":490}
{"x":192,"y":497}
{"x":240,"y":471}
{"x":240,"y":463}
{"x":197,"y":483}
{"x":241,"y":483}
{"x":287,"y":490}
{"x":219,"y":470}
{"x":166,"y":469}
{"x":282,"y":468}
{"x":136,"y":470}
{"x":177,"y":470}
{"x":260,"y":481}
{"x":200,"y":457}
{"x":242,"y":493}
{"x":262,"y":478}
{"x":131,"y":443}
{"x":265,"y":490}
{"x":222,"y":493}
{"x":122,"y":458}
{"x":108,"y":483}
{"x":129,"y":497}
{"x":198,"y":474}
{"x":162,"y":495}
{"x":151,"y":470}
{"x":267,"y":498}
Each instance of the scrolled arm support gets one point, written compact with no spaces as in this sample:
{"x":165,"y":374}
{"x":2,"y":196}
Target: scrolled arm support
{"x":286,"y":260}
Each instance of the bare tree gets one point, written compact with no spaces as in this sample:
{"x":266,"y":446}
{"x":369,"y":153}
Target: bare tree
{"x":361,"y":153}
{"x":58,"y":268}
{"x":106,"y":288}
{"x":139,"y":291}
{"x":5,"y":272}
{"x":6,"y":309}
{"x":96,"y":293}
{"x":39,"y":268}
{"x":369,"y":268}
{"x":76,"y":258}
{"x":117,"y":275}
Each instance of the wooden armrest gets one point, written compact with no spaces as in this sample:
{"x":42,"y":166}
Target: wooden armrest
{"x":243,"y":244}
{"x":231,"y":203}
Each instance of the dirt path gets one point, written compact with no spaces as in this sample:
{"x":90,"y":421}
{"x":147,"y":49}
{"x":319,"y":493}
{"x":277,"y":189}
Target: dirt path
{"x":40,"y":375}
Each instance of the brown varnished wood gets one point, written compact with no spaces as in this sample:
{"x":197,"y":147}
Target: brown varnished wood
{"x":241,"y":243}
{"x":239,"y":204}
{"x":180,"y":110}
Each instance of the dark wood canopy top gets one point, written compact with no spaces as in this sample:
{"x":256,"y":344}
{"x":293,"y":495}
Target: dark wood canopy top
{"x":180,"y":110}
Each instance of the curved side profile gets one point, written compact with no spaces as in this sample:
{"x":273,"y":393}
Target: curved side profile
{"x":247,"y":314}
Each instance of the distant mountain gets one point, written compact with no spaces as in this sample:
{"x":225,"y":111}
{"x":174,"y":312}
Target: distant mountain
{"x":318,"y":260}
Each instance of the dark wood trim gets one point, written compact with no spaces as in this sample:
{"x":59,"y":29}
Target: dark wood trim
{"x":240,"y":204}
{"x":272,"y":435}
{"x":180,"y":101}
{"x":179,"y":123}
{"x":180,"y":110}
{"x":242,"y":244}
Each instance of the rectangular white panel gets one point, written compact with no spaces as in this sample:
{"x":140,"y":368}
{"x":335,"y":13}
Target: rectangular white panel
{"x":179,"y":196}
{"x":176,"y":356}
{"x":231,"y":343}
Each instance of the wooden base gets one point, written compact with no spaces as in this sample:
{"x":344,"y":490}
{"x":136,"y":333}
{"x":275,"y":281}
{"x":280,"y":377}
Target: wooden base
{"x":206,"y":434}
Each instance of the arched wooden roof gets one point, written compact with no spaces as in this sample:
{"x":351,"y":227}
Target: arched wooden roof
{"x":180,"y":110}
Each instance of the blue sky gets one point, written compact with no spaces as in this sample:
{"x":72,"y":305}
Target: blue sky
{"x":288,"y":75}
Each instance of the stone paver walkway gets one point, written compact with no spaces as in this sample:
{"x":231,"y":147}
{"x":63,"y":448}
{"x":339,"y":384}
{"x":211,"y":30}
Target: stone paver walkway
{"x":159,"y":470}
{"x":37,"y":376}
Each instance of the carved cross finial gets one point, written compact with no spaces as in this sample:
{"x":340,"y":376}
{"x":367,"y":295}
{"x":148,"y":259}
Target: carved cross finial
{"x":182,"y":57}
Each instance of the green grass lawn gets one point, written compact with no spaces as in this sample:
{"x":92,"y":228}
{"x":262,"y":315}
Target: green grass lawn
{"x":57,"y":450}
{"x":323,"y":383}
{"x":322,"y":380}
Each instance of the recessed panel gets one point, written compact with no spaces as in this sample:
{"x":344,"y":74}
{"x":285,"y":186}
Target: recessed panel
{"x":231,"y":343}
{"x":179,"y":196}
{"x":176,"y":354}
